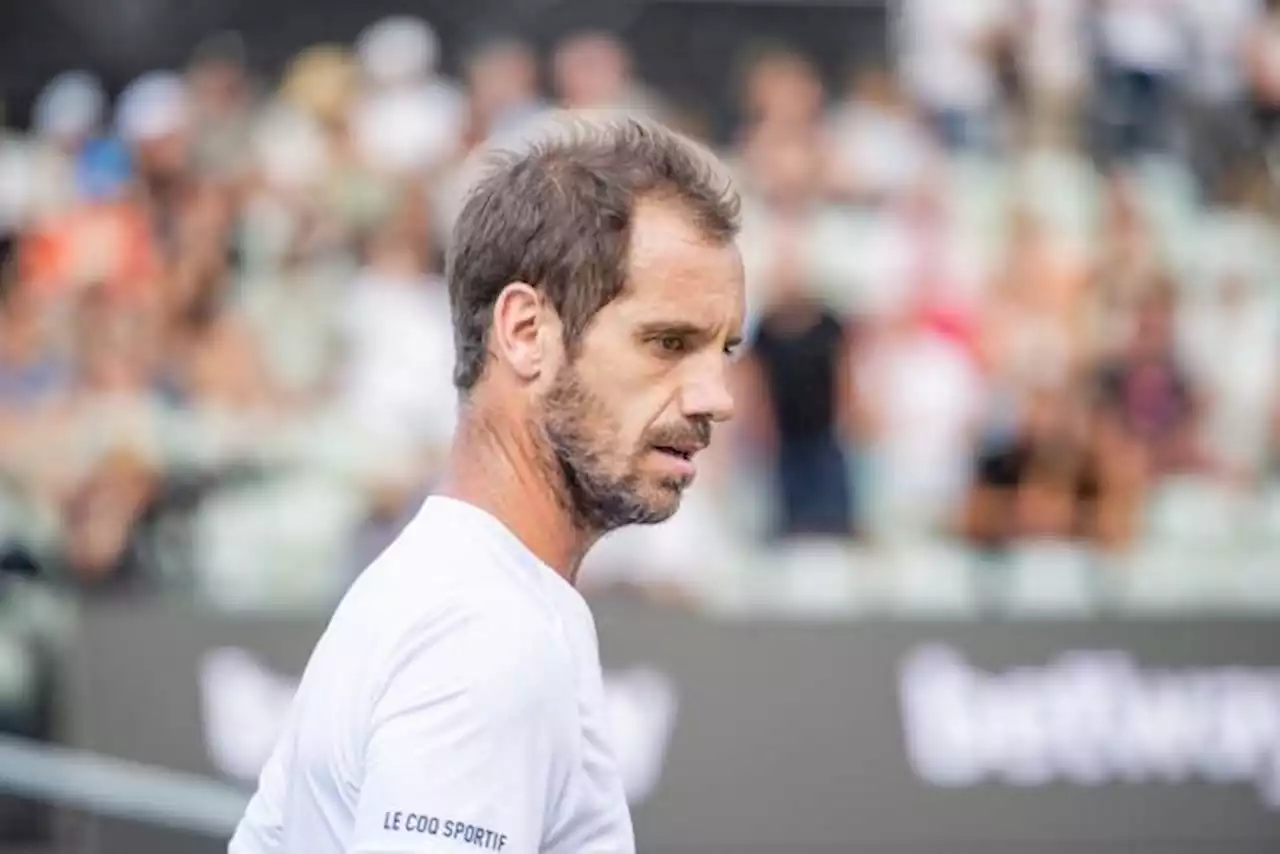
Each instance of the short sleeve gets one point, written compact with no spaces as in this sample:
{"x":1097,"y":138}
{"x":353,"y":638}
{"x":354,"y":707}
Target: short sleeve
{"x":761,"y":341}
{"x":1108,"y":387}
{"x":1000,"y":467}
{"x":834,"y":333}
{"x":460,"y":756}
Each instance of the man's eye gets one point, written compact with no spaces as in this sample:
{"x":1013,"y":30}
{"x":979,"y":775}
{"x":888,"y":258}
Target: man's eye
{"x":671,"y":343}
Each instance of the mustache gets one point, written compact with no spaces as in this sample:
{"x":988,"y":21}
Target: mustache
{"x":690,"y":433}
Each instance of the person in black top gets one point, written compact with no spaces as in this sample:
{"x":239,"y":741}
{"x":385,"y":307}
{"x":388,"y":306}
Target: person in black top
{"x":798,"y":362}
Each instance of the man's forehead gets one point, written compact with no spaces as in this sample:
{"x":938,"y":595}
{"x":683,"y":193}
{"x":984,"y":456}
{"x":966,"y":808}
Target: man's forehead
{"x":672,"y":260}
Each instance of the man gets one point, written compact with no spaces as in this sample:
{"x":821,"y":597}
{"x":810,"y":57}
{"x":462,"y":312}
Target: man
{"x":455,"y":702}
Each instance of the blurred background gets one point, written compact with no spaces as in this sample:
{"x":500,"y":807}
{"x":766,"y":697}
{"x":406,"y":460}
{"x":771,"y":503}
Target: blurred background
{"x":989,"y":561}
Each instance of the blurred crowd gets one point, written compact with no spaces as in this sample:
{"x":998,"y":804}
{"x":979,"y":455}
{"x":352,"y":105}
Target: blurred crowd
{"x":1017,"y":285}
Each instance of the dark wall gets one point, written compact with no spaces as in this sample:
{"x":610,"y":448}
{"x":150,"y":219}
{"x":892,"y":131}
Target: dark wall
{"x":793,"y":736}
{"x":687,"y":48}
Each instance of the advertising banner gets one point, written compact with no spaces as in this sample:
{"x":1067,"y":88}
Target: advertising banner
{"x":931,"y":737}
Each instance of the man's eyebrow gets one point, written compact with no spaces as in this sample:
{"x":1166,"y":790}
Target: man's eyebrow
{"x":672,"y":327}
{"x":686,"y":329}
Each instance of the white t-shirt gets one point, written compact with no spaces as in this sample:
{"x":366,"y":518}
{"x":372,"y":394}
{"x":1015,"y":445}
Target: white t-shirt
{"x":928,"y":396}
{"x":409,"y":129}
{"x":941,"y":55}
{"x":398,"y":334}
{"x":1220,"y":28}
{"x":887,"y":152}
{"x":1144,"y":35}
{"x":453,"y":705}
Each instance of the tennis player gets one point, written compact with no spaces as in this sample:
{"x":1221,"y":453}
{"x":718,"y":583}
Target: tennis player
{"x":454,"y":704}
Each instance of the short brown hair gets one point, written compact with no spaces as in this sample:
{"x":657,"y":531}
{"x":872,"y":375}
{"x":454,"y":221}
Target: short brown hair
{"x":557,"y":215}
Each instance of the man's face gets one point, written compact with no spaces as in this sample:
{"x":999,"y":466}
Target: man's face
{"x":625,"y":418}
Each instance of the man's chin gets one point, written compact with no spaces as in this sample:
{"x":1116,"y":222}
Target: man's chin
{"x":663,"y":506}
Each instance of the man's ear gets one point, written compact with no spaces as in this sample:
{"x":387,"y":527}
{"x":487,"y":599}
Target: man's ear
{"x":519,"y":336}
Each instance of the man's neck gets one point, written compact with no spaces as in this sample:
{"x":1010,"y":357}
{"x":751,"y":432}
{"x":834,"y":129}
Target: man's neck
{"x":500,"y":472}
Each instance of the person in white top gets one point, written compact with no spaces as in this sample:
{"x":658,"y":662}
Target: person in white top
{"x":947,"y":63}
{"x":454,"y":702}
{"x":1145,"y":51}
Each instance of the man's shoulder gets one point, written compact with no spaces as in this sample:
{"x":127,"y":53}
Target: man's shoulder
{"x":445,"y":589}
{"x":428,"y":596}
{"x":482,"y":645}
{"x":495,"y":608}
{"x":441,"y":551}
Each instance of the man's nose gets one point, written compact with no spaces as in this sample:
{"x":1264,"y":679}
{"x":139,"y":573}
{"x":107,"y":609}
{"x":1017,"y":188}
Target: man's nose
{"x":706,"y":394}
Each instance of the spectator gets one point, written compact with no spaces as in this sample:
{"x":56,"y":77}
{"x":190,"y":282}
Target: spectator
{"x":282,"y":502}
{"x":923,"y":400}
{"x":398,"y":335}
{"x":782,"y":92}
{"x":502,"y":84}
{"x":102,"y":443}
{"x":154,"y":117}
{"x":310,"y":160}
{"x":34,"y":375}
{"x":947,"y":56}
{"x":105,"y":241}
{"x":202,"y":246}
{"x":294,"y":308}
{"x":32,"y":370}
{"x":1041,"y":482}
{"x":1262,"y":58}
{"x":244,"y":294}
{"x":592,"y":71}
{"x":67,"y":116}
{"x":1054,"y":61}
{"x":1033,"y":326}
{"x":1219,"y":121}
{"x":881,"y":148}
{"x":222,"y":104}
{"x":1231,"y":340}
{"x":798,"y":373}
{"x":1143,"y":51}
{"x":1145,"y":396}
{"x":1129,"y":263}
{"x":783,"y":171}
{"x":409,"y":119}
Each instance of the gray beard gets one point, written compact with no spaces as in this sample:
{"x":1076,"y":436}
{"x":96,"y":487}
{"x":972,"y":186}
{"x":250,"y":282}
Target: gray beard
{"x":596,"y":500}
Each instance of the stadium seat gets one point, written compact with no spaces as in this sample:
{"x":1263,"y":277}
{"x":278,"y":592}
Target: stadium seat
{"x":1165,"y":578}
{"x":1049,"y":579}
{"x":929,"y":579}
{"x":17,"y":679}
{"x":1193,"y":512}
{"x":286,"y":543}
{"x":1063,"y":190}
{"x":1166,"y":192}
{"x":1267,"y":518}
{"x":808,"y":577}
{"x":1250,"y":582}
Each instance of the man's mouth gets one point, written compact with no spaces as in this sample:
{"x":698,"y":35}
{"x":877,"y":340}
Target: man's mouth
{"x":683,"y":453}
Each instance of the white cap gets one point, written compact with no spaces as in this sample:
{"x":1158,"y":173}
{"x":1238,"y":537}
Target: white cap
{"x":398,"y":50}
{"x":410,"y":129}
{"x":71,"y":105}
{"x":291,"y":149}
{"x":152,"y":106}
